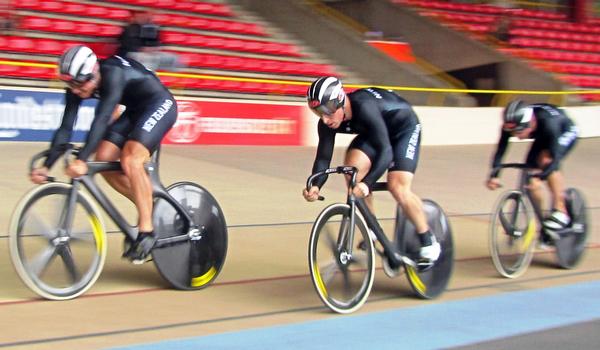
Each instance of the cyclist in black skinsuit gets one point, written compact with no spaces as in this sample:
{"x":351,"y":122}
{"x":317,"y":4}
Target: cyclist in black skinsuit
{"x":554,"y":135}
{"x":388,"y":139}
{"x":150,"y":112}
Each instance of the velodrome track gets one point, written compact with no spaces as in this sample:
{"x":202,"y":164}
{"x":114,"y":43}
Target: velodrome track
{"x":264,"y":298}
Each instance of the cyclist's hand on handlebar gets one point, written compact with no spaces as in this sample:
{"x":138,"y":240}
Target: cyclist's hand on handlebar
{"x":312,"y":194}
{"x":361,"y":190}
{"x":39,"y":175}
{"x":493,"y":183}
{"x":77,"y":168}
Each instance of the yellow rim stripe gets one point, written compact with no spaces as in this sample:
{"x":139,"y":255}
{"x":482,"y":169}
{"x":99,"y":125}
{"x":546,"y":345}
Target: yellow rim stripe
{"x":204,"y":279}
{"x":416,"y":280}
{"x":529,"y":236}
{"x":319,"y":280}
{"x":97,"y":228}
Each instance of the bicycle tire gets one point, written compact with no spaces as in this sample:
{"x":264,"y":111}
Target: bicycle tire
{"x":53,"y":265}
{"x":342,"y":280}
{"x":512,"y":234}
{"x":571,"y":246}
{"x":192,"y":264}
{"x":430,"y":283}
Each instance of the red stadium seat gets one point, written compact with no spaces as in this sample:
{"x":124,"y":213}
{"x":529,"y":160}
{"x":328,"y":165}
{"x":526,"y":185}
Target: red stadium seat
{"x":34,"y":23}
{"x":50,"y":6}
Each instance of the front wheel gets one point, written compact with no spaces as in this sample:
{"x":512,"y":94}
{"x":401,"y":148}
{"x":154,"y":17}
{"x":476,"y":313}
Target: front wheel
{"x":512,"y":234}
{"x":432,"y":282}
{"x":195,"y":262}
{"x":570,"y":246}
{"x":58,"y":253}
{"x":341,"y":259}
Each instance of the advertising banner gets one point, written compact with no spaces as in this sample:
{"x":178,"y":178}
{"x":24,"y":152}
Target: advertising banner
{"x":34,"y":116}
{"x":236,"y":123}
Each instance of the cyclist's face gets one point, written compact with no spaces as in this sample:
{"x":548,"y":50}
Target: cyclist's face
{"x":84,"y":90}
{"x":522,"y":134}
{"x":334,"y":119}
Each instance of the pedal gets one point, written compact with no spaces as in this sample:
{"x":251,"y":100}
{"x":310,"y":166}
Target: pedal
{"x":406,"y":260}
{"x":425,"y":264}
{"x":578,"y":228}
{"x":141,"y":261}
{"x":550,"y":235}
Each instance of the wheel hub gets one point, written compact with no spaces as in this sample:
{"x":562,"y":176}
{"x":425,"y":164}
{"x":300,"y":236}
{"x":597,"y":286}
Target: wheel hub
{"x":196,"y":234}
{"x":61,"y":239}
{"x":345,"y":258}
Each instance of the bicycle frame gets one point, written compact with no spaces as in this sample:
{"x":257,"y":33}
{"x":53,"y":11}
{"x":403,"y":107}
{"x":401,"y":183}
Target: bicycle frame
{"x":523,"y":187}
{"x":158,"y":191}
{"x":396,"y":258}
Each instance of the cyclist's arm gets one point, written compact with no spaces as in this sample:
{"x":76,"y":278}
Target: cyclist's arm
{"x":500,"y":150}
{"x":111,"y":91}
{"x":324,"y":152}
{"x":62,"y":136}
{"x":378,"y":136}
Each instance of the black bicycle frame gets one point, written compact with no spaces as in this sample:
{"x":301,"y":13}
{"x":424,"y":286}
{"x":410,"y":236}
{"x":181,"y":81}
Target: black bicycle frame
{"x":524,"y":180}
{"x":396,"y":257}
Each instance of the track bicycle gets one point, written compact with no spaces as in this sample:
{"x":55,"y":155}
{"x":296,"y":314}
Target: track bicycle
{"x":341,"y":251}
{"x":516,"y":225}
{"x":58,"y":244}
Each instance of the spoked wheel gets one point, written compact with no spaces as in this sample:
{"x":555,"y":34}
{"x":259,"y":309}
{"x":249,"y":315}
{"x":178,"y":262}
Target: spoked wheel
{"x":571,"y":245}
{"x":512,"y":234}
{"x":432,"y":282}
{"x":195,"y":262}
{"x":57,"y":257}
{"x":342,"y":268}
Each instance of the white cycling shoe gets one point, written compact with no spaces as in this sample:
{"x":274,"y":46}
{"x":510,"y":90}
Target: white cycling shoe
{"x":428,"y":254}
{"x":557,"y":221}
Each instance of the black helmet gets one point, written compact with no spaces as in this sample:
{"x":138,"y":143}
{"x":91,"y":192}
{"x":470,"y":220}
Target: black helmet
{"x":77,"y":64}
{"x":325,"y":95}
{"x":516,"y":116}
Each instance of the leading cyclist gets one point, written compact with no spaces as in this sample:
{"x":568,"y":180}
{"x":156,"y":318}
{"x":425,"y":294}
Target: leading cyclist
{"x":554,"y":135}
{"x":388,"y":139}
{"x":150,"y":112}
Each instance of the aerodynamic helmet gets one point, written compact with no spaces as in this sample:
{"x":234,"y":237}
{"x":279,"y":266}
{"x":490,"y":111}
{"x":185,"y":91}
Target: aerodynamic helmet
{"x":516,"y":116}
{"x":325,"y":95}
{"x":77,"y":64}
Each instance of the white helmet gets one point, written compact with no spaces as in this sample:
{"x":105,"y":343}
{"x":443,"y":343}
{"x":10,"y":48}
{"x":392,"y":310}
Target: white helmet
{"x":325,"y":95}
{"x":77,"y":64}
{"x":517,"y":116}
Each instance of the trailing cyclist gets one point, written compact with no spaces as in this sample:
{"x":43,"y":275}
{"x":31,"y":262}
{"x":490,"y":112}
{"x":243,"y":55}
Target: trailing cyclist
{"x":150,"y":112}
{"x":388,"y":138}
{"x":554,"y":135}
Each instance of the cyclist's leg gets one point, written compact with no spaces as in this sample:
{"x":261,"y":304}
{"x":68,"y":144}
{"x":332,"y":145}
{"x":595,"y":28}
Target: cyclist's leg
{"x":406,"y":148}
{"x":145,"y":137}
{"x":110,"y":150}
{"x":556,"y":184}
{"x":399,"y":184}
{"x":535,"y":184}
{"x":133,"y":158}
{"x":359,"y":155}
